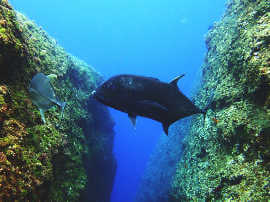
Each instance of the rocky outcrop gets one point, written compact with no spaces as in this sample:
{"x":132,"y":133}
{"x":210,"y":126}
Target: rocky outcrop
{"x":66,"y":159}
{"x":227,"y":158}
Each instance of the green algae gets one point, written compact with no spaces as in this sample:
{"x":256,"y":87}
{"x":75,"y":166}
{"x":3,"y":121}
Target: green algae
{"x":45,"y":162}
{"x":228,"y":159}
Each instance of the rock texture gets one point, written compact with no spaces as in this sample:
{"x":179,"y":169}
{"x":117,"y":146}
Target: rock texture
{"x":66,"y":159}
{"x":227,"y":158}
{"x":157,"y":178}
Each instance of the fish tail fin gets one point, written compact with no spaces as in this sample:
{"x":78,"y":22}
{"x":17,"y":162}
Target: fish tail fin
{"x":62,"y":105}
{"x":42,"y":115}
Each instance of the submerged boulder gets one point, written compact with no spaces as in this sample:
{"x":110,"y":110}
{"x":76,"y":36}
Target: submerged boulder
{"x":68,"y":158}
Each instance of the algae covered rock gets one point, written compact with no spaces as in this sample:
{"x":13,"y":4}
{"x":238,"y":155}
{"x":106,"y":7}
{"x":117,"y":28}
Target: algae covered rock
{"x":56,"y":161}
{"x":155,"y":183}
{"x":227,"y":158}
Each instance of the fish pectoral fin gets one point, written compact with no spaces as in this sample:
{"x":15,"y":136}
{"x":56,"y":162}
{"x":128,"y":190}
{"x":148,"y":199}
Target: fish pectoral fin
{"x":132,"y":118}
{"x":165,"y":127}
{"x":176,"y":79}
{"x":42,"y":115}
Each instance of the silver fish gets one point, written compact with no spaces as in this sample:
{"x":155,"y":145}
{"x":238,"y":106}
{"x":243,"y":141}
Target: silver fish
{"x":42,"y":94}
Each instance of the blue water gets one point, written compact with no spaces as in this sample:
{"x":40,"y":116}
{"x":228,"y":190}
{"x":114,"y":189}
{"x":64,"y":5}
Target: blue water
{"x":159,"y":38}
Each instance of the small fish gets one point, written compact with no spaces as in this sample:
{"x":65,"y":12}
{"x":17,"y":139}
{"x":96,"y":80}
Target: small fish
{"x":42,"y":94}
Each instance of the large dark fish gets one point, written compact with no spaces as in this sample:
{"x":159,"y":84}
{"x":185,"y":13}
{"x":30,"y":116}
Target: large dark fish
{"x":147,"y":97}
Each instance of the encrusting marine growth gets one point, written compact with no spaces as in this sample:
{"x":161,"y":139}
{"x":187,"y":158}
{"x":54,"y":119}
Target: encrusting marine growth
{"x":55,"y":161}
{"x":229,"y":160}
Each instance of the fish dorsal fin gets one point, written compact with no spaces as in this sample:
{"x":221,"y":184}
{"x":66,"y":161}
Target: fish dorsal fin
{"x":176,"y":79}
{"x":132,"y":118}
{"x":165,"y":128}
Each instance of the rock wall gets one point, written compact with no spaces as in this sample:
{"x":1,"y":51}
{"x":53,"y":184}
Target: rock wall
{"x":156,"y":181}
{"x":227,"y":158}
{"x":68,"y":158}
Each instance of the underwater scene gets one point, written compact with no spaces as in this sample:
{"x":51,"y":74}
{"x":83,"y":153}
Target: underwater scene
{"x":134,"y":101}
